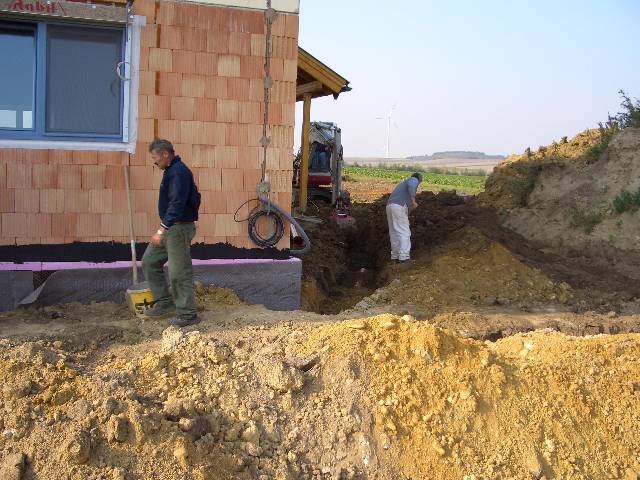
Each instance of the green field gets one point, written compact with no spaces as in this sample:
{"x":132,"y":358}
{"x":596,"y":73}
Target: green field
{"x":430,"y":181}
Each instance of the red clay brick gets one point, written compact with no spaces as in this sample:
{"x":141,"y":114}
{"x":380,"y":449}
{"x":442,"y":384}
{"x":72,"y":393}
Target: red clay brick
{"x":210,"y":179}
{"x":206,"y":64}
{"x":88,"y":224}
{"x":51,"y":201}
{"x":212,"y":240}
{"x":192,"y":132}
{"x":275,"y":114}
{"x":19,"y":175}
{"x":218,"y":42}
{"x":207,"y":224}
{"x":182,"y":108}
{"x":184,"y":61}
{"x":166,"y":14}
{"x":251,"y":178}
{"x":145,"y":201}
{"x":80,"y":157}
{"x":36,"y":156}
{"x":291,"y":25}
{"x":141,"y":177}
{"x":169,"y":129}
{"x":119,"y":203}
{"x":171,"y":37}
{"x":194,"y":39}
{"x":69,"y":176}
{"x":277,"y":68}
{"x":251,"y":67}
{"x":237,"y":135}
{"x":169,"y":84}
{"x":250,"y":112}
{"x":45,"y":176}
{"x":205,"y":110}
{"x":145,"y":129}
{"x":7,"y":200}
{"x":185,"y":150}
{"x":239,"y":89}
{"x":100,"y":201}
{"x":148,"y":36}
{"x":14,"y":225}
{"x":288,"y":114}
{"x":216,"y":87}
{"x":290,"y":70}
{"x":258,"y":44}
{"x":76,"y":201}
{"x":226,"y":157}
{"x":239,"y":43}
{"x":214,"y":202}
{"x":160,"y":60}
{"x":215,"y":133}
{"x":144,"y":59}
{"x":229,"y":65}
{"x":11,"y":155}
{"x":3,"y":175}
{"x":147,"y":83}
{"x":114,"y":224}
{"x":236,"y":202}
{"x":93,"y":177}
{"x":232,"y":180}
{"x":39,"y":225}
{"x":193,"y":86}
{"x":249,"y":157}
{"x":63,"y":225}
{"x":255,"y":134}
{"x":204,"y":156}
{"x":113,"y":158}
{"x":226,"y":225}
{"x":256,"y":90}
{"x":278,"y":25}
{"x":227,"y":111}
{"x":160,"y":107}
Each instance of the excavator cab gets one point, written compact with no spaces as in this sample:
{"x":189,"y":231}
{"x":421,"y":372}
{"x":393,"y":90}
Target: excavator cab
{"x":325,"y":170}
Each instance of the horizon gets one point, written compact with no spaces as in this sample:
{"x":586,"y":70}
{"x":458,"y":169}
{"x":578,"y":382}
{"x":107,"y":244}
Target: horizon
{"x":494,"y":78}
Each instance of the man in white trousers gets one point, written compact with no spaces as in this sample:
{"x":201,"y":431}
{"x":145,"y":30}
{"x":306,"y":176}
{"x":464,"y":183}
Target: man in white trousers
{"x":401,"y":201}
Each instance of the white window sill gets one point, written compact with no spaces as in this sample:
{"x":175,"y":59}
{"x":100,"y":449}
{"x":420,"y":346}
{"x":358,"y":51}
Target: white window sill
{"x":69,"y":145}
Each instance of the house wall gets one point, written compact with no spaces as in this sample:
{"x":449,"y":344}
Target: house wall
{"x":201,"y":70}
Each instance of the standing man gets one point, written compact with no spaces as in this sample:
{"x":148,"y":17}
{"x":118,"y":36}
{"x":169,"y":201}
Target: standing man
{"x":401,"y":200}
{"x":178,"y":205}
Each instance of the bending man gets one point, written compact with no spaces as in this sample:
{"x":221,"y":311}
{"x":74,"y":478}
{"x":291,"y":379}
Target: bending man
{"x":401,"y":201}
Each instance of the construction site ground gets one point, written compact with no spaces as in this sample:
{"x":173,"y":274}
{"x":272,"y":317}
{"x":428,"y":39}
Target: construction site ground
{"x":486,"y":358}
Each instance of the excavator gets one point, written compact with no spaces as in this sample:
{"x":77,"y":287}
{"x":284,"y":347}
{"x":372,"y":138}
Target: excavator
{"x":325,"y":171}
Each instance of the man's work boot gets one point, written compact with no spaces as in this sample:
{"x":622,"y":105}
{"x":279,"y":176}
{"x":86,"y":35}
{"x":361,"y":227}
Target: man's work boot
{"x":160,"y":311}
{"x":184,"y":321}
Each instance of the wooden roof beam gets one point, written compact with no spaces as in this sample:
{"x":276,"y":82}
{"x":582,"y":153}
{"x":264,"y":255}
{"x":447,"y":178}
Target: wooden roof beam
{"x":311,"y":87}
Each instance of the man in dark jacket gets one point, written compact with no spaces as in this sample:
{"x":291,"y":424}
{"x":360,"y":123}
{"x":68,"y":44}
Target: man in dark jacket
{"x":178,"y":205}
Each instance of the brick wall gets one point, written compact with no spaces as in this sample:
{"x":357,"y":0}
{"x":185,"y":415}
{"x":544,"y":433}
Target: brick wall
{"x":200,"y":87}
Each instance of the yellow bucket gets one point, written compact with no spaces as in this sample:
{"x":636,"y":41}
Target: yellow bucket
{"x":139,"y":299}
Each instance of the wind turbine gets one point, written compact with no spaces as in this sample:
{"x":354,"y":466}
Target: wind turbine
{"x":389,"y":119}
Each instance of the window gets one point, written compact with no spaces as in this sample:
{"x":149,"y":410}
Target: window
{"x":60,"y":82}
{"x":17,"y":89}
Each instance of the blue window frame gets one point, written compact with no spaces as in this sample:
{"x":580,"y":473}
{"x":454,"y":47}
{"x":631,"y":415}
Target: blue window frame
{"x":59,"y":81}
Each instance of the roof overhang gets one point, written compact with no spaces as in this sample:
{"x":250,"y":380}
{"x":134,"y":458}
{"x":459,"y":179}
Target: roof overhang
{"x":317,"y":79}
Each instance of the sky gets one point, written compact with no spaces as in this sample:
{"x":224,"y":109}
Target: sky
{"x":492,"y":76}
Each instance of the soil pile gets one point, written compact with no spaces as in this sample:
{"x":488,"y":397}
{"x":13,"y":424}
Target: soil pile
{"x":383,"y":397}
{"x":562,"y":198}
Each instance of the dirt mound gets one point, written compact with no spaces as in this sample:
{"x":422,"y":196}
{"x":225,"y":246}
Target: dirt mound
{"x":383,"y":397}
{"x":568,"y":204}
{"x":210,"y":295}
{"x":467,"y":270}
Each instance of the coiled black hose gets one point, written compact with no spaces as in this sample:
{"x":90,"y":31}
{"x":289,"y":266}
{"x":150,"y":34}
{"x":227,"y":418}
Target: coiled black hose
{"x":271,"y":209}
